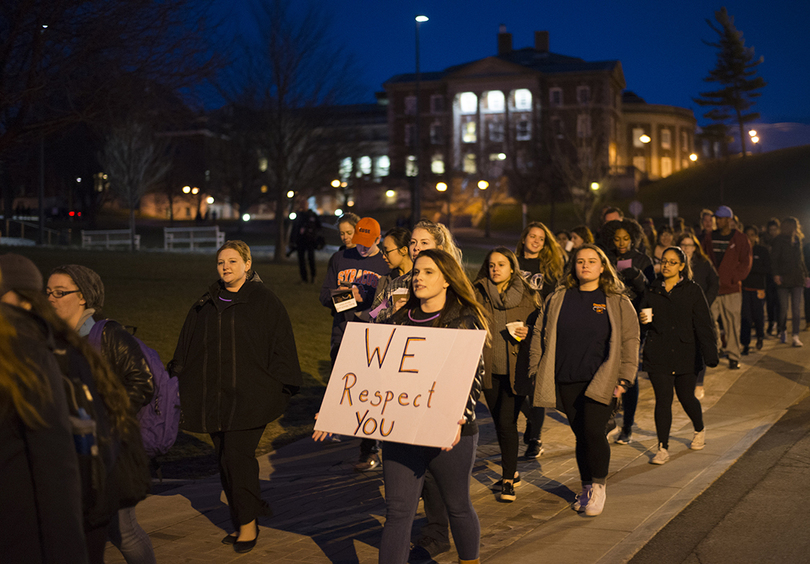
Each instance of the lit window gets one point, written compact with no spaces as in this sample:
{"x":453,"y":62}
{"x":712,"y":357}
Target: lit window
{"x":640,"y":163}
{"x":383,"y":165}
{"x":469,"y":163}
{"x":263,"y":164}
{"x":583,"y":95}
{"x":496,"y":131}
{"x":468,"y":102}
{"x":468,"y":132}
{"x":436,"y":134}
{"x":555,"y":97}
{"x":583,"y":126}
{"x":345,"y":168}
{"x":437,"y":103}
{"x":637,"y":133}
{"x":495,"y":101}
{"x":523,"y":99}
{"x":666,"y":167}
{"x":410,"y":166}
{"x":523,"y":131}
{"x":365,"y":164}
{"x":410,"y":134}
{"x":410,"y":105}
{"x":666,"y":139}
{"x":437,"y":164}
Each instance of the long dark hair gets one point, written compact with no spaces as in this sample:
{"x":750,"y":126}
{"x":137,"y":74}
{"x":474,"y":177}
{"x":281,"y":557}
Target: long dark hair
{"x":459,"y":293}
{"x":687,"y":269}
{"x":552,"y":257}
{"x":109,"y":385}
{"x":515,"y":278}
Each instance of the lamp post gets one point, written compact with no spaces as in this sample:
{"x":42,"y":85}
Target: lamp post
{"x":483,"y":185}
{"x":416,"y":194}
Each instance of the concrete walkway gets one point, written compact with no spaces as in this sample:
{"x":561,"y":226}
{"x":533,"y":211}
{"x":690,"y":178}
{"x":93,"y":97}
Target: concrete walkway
{"x":324,"y":512}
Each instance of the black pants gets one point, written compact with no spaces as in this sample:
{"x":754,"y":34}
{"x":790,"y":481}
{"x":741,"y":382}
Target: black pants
{"x":629,"y":404}
{"x":306,"y":252}
{"x":771,"y":302}
{"x":753,"y":313}
{"x":535,"y":417}
{"x":588,"y":419}
{"x":239,"y":474}
{"x":684,"y":386}
{"x":505,"y":408}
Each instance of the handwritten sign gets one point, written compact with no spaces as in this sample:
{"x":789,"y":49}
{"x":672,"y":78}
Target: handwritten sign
{"x":401,"y":383}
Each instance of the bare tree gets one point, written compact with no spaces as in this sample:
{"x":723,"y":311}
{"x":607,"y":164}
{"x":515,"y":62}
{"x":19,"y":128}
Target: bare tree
{"x":135,"y":162}
{"x":579,"y":160}
{"x":290,"y":78}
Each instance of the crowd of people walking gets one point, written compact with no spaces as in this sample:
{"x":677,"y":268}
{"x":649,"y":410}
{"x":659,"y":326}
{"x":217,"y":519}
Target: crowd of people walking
{"x":571,"y":319}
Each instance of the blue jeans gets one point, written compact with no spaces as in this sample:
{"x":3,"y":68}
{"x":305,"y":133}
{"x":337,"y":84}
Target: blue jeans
{"x":794,"y":295}
{"x":128,"y":537}
{"x":404,"y":469}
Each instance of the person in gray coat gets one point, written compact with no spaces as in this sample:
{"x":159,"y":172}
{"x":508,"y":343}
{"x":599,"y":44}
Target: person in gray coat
{"x":586,"y":358}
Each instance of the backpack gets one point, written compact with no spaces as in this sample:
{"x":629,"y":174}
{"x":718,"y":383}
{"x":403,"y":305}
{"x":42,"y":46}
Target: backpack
{"x":160,"y":418}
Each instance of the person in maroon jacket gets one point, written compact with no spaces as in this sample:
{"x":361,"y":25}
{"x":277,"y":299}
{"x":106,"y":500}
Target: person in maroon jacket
{"x":730,"y":252}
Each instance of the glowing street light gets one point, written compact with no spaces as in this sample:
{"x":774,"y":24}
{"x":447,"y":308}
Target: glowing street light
{"x":195,"y":190}
{"x":752,"y":133}
{"x":210,"y":200}
{"x":186,"y":189}
{"x":421,"y":19}
{"x":693,"y":157}
{"x":338,"y":212}
{"x":483,"y":184}
{"x":595,"y":186}
{"x":755,"y":139}
{"x":290,"y":194}
{"x":645,"y":138}
{"x":246,"y":217}
{"x":390,"y":193}
{"x":441,"y":187}
{"x":336,"y":183}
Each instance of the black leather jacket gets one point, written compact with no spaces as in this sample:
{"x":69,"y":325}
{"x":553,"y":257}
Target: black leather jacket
{"x":127,"y":361}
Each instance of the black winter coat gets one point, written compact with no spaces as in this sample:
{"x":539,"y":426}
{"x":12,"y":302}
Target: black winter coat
{"x":681,"y":337}
{"x":124,"y":355}
{"x":236,"y":360}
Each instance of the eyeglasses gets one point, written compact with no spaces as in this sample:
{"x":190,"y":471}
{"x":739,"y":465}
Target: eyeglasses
{"x":58,"y":294}
{"x":670,"y":262}
{"x":389,"y":251}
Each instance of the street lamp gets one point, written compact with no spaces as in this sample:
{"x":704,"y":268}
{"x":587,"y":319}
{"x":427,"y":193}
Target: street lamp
{"x":595,"y":186}
{"x":645,"y":138}
{"x":441,"y":187}
{"x":186,"y":189}
{"x":416,"y":195}
{"x":693,"y":157}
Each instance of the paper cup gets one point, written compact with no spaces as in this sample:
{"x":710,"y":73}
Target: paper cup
{"x":511,"y":328}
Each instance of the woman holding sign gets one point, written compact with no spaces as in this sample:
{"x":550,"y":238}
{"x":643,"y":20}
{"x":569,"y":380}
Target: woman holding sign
{"x":680,"y":342}
{"x":238,"y":367}
{"x":441,"y":296}
{"x":587,"y":357}
{"x":513,"y":307}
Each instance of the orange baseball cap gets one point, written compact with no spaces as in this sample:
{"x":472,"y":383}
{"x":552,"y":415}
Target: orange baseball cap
{"x":366,"y":232}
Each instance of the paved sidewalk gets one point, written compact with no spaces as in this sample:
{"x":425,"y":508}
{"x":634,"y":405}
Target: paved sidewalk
{"x":324,"y":512}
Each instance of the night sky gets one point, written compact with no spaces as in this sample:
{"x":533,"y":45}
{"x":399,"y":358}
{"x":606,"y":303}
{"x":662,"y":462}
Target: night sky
{"x":658,"y":43}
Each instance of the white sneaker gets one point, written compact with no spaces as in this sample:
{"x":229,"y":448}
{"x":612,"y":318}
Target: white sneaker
{"x":582,"y":499}
{"x":699,"y":392}
{"x":699,"y":440}
{"x":796,"y":341}
{"x":596,"y":502}
{"x":661,"y":457}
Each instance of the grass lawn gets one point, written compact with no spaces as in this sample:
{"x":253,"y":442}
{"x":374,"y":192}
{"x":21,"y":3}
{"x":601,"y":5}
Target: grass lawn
{"x":154,"y":291}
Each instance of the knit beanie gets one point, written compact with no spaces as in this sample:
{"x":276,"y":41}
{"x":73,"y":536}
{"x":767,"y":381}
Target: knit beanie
{"x":19,"y":273}
{"x":88,"y":282}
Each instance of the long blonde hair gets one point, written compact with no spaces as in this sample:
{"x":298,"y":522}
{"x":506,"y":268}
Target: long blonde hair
{"x":552,"y":257}
{"x":21,"y":385}
{"x":442,"y":236}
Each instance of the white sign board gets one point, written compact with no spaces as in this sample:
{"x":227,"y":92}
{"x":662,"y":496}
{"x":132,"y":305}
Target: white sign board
{"x":401,"y":383}
{"x":671,"y":210}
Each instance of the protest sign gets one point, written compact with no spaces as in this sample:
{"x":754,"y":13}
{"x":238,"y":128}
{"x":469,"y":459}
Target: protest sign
{"x":401,"y":383}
